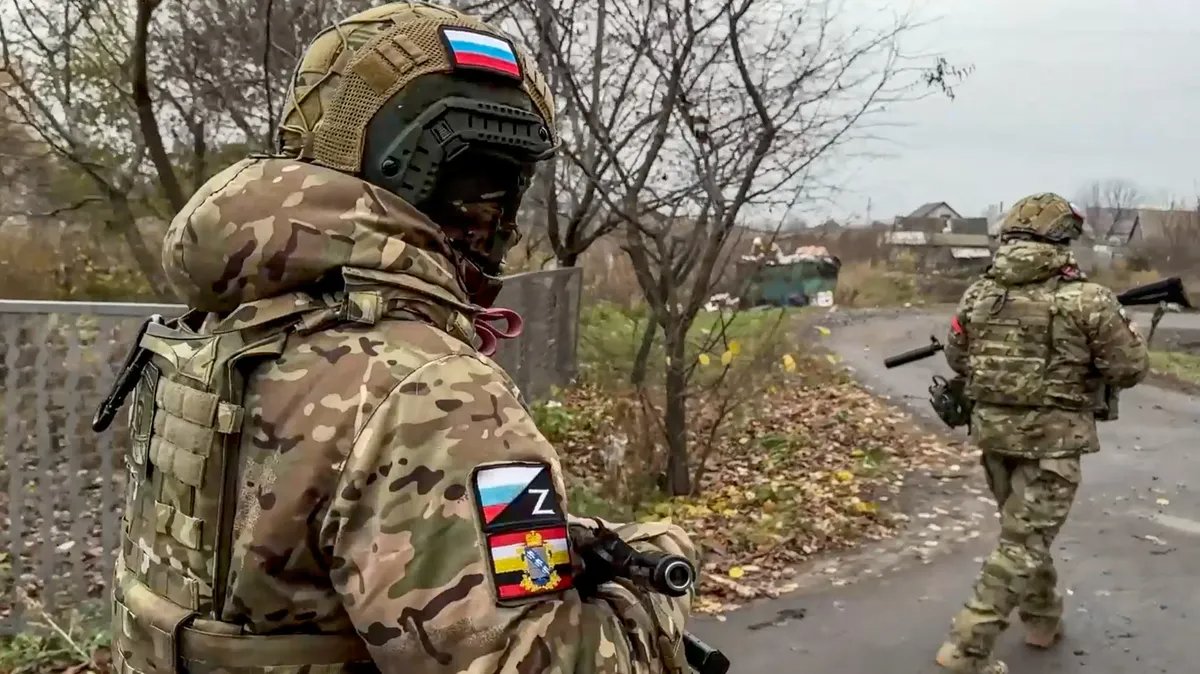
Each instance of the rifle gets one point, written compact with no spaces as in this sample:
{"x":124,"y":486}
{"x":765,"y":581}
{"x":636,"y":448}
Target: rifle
{"x":915,"y":354}
{"x":606,"y":557}
{"x":948,"y":398}
{"x":1167,"y":293}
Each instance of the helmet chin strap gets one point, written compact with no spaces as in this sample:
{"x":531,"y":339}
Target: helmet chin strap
{"x":482,"y":288}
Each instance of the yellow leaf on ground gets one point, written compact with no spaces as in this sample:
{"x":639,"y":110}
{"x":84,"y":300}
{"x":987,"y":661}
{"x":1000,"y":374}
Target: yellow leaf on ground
{"x":704,"y":359}
{"x":825,"y":332}
{"x":736,"y":572}
{"x":866,"y":507}
{"x":831,"y":358}
{"x":789,"y":363}
{"x":844,"y":475}
{"x":727,"y":358}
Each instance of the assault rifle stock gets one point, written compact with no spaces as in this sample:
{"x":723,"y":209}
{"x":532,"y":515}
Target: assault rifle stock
{"x":606,"y":557}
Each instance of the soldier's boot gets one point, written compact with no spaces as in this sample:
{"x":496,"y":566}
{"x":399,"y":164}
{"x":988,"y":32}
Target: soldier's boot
{"x":1043,"y":632}
{"x":951,"y":658}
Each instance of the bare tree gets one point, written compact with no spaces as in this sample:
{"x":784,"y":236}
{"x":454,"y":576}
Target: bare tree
{"x":67,"y":61}
{"x":1109,"y":203}
{"x":140,"y":101}
{"x":715,"y":110}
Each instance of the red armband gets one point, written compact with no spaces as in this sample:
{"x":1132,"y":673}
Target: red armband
{"x":955,"y":326}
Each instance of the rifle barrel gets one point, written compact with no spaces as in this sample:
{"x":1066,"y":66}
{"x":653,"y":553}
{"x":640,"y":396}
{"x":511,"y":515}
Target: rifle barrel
{"x":910,"y":356}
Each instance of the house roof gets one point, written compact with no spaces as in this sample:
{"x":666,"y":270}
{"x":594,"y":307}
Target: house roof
{"x":926,"y":210}
{"x":1154,"y":223}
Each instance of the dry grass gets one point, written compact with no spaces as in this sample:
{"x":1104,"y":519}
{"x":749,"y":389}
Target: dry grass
{"x":862,"y":284}
{"x":1121,"y":277}
{"x":65,"y":263}
{"x":1182,"y":367}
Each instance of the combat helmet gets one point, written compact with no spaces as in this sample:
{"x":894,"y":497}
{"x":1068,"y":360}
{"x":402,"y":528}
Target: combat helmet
{"x":1043,"y":217}
{"x":433,"y":105}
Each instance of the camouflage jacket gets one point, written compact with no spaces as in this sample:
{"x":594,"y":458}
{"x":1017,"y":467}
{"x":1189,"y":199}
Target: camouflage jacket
{"x":1090,"y":342}
{"x":381,"y":447}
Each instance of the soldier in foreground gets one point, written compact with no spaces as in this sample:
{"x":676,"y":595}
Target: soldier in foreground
{"x":325,"y":474}
{"x":1038,"y":344}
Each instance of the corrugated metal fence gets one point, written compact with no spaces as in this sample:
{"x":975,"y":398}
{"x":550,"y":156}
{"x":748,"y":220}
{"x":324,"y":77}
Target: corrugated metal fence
{"x":60,"y":484}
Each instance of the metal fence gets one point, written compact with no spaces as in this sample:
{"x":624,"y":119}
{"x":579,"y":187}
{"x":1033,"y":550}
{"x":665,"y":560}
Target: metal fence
{"x":60,"y":484}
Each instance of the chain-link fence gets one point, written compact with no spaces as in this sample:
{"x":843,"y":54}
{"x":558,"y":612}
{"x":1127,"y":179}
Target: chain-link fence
{"x":60,"y":484}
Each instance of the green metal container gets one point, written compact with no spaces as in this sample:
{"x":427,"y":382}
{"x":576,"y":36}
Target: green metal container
{"x":800,"y":283}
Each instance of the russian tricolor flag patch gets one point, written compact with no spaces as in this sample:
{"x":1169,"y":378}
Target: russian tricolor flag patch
{"x":525,"y":529}
{"x":474,"y":50}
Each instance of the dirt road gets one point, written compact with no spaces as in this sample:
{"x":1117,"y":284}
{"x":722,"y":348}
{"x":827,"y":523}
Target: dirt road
{"x":1129,"y":557}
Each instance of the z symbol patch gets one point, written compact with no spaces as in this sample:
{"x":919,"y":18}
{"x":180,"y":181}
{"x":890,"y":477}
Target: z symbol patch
{"x":525,"y":529}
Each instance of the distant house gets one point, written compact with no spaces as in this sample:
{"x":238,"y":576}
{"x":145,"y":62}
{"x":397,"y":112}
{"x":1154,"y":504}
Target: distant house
{"x":1110,"y":232}
{"x":935,"y":209}
{"x":1112,"y":226}
{"x":939,"y":237}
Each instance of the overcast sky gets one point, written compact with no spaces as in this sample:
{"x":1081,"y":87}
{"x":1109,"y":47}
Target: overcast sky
{"x":1064,"y":92}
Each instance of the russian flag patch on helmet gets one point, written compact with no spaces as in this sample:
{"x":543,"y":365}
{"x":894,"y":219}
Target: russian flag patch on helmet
{"x":473,"y":50}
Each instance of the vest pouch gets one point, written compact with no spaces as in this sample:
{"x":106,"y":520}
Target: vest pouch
{"x":1009,"y":348}
{"x":145,"y":629}
{"x":153,"y":635}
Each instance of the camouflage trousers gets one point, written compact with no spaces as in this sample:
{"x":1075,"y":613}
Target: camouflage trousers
{"x":1035,"y":498}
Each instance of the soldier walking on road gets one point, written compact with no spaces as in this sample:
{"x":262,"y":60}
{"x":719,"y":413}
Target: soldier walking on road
{"x":325,"y":474}
{"x":1041,"y":348}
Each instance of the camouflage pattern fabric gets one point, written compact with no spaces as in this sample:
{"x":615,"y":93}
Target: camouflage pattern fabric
{"x":354,"y":513}
{"x":1046,"y":215}
{"x":1035,"y":498}
{"x":1084,"y":341}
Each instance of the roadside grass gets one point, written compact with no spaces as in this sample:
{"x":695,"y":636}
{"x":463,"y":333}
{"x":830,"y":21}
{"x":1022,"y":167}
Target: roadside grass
{"x":75,"y":642}
{"x":1182,"y":367}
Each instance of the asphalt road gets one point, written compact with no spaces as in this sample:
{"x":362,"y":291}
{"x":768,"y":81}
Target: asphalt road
{"x":1129,"y":556}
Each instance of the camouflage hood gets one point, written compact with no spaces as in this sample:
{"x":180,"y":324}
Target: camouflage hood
{"x":1021,"y":262}
{"x":266,"y":227}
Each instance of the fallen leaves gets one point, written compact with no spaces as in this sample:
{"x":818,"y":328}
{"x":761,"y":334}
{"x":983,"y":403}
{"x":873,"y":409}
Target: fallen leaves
{"x":814,"y":470}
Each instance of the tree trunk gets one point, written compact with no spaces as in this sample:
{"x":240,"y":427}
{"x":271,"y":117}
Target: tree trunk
{"x":641,"y":362}
{"x":567,"y":258}
{"x":144,"y":105}
{"x":675,"y":421}
{"x":147,"y":262}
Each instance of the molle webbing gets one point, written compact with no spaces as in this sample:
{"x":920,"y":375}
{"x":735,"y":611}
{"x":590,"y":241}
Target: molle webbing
{"x":174,"y":527}
{"x":175,"y":557}
{"x":1013,"y":357}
